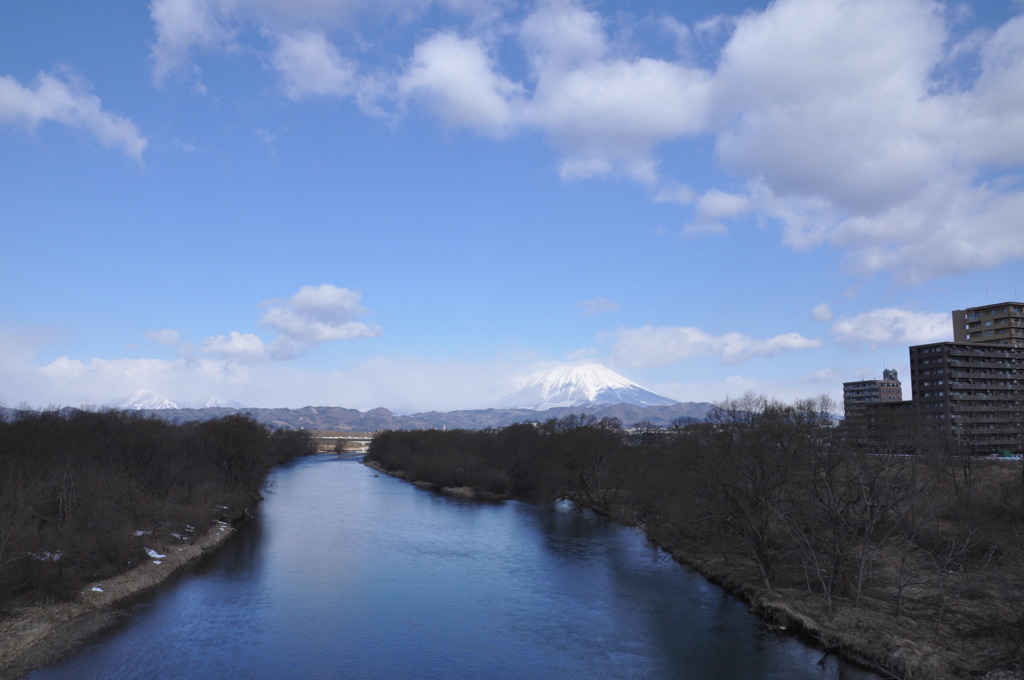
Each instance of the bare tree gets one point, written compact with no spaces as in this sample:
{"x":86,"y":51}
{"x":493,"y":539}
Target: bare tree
{"x":757,"y":444}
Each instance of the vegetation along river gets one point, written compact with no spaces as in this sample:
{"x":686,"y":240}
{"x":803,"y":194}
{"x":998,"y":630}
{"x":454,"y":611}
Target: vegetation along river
{"x":347,"y":574}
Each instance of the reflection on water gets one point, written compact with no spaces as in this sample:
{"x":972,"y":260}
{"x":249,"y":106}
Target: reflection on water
{"x":347,"y":574}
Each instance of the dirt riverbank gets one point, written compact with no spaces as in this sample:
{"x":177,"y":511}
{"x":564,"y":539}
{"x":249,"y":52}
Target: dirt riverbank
{"x":33,"y":636}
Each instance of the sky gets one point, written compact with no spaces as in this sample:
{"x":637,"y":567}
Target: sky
{"x":411,"y":203}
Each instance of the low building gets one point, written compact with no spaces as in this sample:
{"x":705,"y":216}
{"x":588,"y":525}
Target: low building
{"x":859,"y":394}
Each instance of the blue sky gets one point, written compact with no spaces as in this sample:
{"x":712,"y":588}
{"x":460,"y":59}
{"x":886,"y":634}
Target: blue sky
{"x":410,"y":203}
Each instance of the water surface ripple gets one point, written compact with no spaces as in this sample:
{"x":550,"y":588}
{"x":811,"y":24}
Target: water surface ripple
{"x":347,"y":574}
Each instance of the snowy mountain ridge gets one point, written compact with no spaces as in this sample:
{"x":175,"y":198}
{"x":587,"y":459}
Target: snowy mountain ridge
{"x":145,"y":400}
{"x":586,"y":384}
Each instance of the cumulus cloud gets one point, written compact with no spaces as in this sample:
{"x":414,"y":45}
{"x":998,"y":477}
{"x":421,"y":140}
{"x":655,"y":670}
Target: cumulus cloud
{"x":663,"y":345}
{"x":828,"y":97}
{"x":837,"y":113}
{"x":822,"y":312}
{"x":66,"y":99}
{"x":868,"y":126}
{"x":712,"y":208}
{"x":314,"y":315}
{"x":236,"y":346}
{"x":311,"y":66}
{"x":319,"y":314}
{"x":456,"y":79}
{"x":596,"y":306}
{"x":605,"y":111}
{"x":892,"y":327}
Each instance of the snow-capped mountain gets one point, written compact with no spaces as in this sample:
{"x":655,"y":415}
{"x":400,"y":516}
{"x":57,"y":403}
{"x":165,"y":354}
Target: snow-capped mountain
{"x":143,"y":400}
{"x":219,"y":402}
{"x":585,"y":385}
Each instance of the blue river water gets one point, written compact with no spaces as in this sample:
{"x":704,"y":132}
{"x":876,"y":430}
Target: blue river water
{"x":350,"y":574}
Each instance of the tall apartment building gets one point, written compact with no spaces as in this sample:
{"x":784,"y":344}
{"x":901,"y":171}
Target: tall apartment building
{"x":1001,"y":324}
{"x":973,"y":387}
{"x":858,"y":394}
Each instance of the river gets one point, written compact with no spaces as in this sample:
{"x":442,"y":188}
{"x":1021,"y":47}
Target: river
{"x":350,"y":574}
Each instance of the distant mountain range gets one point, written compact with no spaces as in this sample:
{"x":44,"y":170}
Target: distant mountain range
{"x":336,"y":418}
{"x":587,"y":389}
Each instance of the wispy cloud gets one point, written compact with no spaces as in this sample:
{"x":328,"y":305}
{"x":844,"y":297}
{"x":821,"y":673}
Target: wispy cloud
{"x":166,"y":336}
{"x":875,"y":152}
{"x":892,"y":327}
{"x":65,"y":98}
{"x":596,"y":306}
{"x":663,"y":345}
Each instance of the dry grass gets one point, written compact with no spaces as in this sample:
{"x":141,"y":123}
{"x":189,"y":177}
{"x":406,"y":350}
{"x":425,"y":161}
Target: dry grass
{"x":35,"y":635}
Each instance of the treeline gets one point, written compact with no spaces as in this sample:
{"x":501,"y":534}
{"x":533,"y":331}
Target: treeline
{"x":884,"y":535}
{"x":83,"y":493}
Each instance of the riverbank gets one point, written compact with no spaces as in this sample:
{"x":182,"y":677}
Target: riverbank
{"x":468,"y":492}
{"x":36,"y":635}
{"x":914,"y":646}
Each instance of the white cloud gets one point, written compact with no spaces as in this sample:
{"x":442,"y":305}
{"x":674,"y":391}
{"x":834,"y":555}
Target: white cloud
{"x":822,"y":312}
{"x":663,"y":345}
{"x":183,"y":26}
{"x":829,"y":98}
{"x":311,"y":66}
{"x":314,"y":315}
{"x":892,"y":327}
{"x":236,"y":346}
{"x":66,"y":99}
{"x":680,"y":194}
{"x":318,"y":314}
{"x":716,"y":204}
{"x":455,"y":77}
{"x":842,"y":117}
{"x":713,"y":207}
{"x":596,"y":306}
{"x":401,"y":384}
{"x":99,"y":381}
{"x":166,"y":336}
{"x":606,"y":112}
{"x":835,"y":112}
{"x":993,"y":129}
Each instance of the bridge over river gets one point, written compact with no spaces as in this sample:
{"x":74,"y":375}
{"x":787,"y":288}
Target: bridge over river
{"x":350,"y":442}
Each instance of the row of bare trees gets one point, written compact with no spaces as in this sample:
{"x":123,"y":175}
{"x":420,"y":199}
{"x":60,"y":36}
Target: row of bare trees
{"x":891,"y":518}
{"x":81,"y":492}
